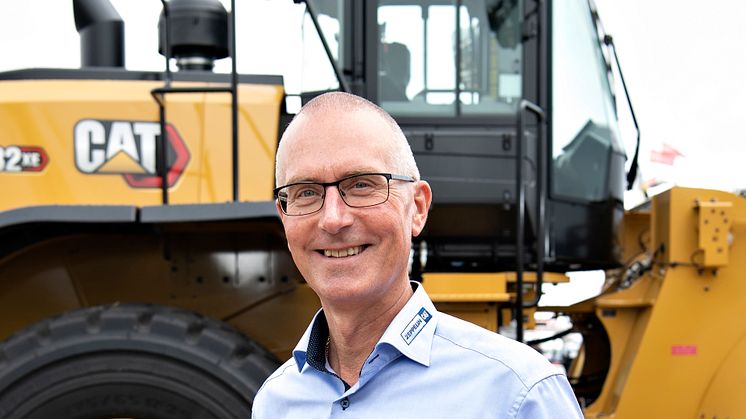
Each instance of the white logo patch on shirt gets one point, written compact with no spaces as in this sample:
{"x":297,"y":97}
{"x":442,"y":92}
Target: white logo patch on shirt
{"x":416,"y":325}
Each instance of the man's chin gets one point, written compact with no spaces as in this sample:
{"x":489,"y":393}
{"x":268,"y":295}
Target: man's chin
{"x":344,"y":291}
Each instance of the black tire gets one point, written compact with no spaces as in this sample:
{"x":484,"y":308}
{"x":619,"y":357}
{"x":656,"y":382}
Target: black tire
{"x":134,"y":361}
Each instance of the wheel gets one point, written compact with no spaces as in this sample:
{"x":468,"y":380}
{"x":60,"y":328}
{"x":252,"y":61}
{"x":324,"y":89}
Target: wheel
{"x":133,"y":361}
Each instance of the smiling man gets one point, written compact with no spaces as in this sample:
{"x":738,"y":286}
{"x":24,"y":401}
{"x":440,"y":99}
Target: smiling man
{"x":351,"y":199}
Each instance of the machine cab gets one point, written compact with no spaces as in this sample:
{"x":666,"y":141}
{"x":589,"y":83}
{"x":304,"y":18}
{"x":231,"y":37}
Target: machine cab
{"x":454,"y":75}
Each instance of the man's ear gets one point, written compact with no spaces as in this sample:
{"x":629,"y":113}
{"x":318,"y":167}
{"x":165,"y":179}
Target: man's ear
{"x":279,"y":211}
{"x":282,"y":218}
{"x":423,"y":196}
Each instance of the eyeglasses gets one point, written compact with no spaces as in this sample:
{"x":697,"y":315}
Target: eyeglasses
{"x":358,"y":191}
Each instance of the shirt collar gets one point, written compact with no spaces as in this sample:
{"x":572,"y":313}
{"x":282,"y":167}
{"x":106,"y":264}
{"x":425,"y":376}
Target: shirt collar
{"x":410,"y":333}
{"x":311,"y":349}
{"x":412,"y":330}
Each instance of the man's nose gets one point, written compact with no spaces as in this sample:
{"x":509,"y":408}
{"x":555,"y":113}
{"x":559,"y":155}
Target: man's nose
{"x":335,"y":214}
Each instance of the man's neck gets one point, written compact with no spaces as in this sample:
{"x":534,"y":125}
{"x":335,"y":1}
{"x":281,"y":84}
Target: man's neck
{"x":354,"y":333}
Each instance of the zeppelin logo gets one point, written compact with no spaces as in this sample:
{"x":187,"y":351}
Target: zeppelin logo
{"x":19,"y":158}
{"x":416,"y":325}
{"x":128,"y":148}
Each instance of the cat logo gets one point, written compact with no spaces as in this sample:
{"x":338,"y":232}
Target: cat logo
{"x":128,"y":148}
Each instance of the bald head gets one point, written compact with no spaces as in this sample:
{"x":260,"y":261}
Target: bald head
{"x":337,"y":105}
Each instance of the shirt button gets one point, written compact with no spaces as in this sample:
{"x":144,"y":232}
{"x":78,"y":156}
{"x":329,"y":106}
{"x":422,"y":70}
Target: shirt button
{"x":345,"y":403}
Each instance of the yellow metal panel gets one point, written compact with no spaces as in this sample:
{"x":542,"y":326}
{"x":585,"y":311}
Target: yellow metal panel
{"x":258,"y":127}
{"x":33,"y":286}
{"x":481,"y":314}
{"x":45,"y":113}
{"x":714,"y":226}
{"x":676,"y":228}
{"x":642,"y":293}
{"x":465,"y":287}
{"x":635,"y":231}
{"x":478,"y":287}
{"x":724,"y":395}
{"x":674,"y":327}
{"x":694,"y":323}
{"x":279,"y":322}
{"x":529,"y":321}
{"x":530,"y":276}
{"x":625,"y":328}
{"x":478,"y":292}
{"x":217,"y":273}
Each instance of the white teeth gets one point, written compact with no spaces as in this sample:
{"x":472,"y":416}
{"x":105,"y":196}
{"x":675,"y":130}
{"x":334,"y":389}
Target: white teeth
{"x":343,"y":253}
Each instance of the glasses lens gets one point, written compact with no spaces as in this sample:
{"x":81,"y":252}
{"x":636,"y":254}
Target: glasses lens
{"x":365,"y":190}
{"x":301,"y":199}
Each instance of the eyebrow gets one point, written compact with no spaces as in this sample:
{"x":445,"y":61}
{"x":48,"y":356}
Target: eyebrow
{"x":344,"y":175}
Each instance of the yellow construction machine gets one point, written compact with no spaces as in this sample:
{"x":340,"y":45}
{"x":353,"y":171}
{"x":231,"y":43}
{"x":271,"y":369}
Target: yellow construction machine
{"x":146,"y":275}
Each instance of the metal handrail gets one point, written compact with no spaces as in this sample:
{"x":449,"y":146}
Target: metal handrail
{"x":159,"y":94}
{"x":521,"y":215}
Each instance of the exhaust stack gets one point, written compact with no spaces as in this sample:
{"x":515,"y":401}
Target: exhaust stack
{"x":198,"y":33}
{"x":101,"y":32}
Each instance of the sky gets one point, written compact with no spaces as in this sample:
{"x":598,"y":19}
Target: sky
{"x":685,"y":65}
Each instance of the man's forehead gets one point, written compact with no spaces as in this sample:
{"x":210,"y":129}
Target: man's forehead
{"x":327,"y":164}
{"x":350,"y":120}
{"x":334,"y":145}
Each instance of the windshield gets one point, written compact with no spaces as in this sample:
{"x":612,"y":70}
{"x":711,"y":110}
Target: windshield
{"x":584,"y":124}
{"x":316,"y":71}
{"x":431,"y":52}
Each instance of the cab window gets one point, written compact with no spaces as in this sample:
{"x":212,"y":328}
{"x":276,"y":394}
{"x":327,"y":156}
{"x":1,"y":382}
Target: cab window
{"x":437,"y":58}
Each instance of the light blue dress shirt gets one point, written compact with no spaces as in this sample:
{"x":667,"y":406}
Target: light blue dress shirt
{"x":426,"y":365}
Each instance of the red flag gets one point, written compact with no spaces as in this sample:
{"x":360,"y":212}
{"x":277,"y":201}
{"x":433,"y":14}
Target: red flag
{"x":665,"y":156}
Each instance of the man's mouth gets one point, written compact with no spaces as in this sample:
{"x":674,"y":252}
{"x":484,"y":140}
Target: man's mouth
{"x":342,"y":253}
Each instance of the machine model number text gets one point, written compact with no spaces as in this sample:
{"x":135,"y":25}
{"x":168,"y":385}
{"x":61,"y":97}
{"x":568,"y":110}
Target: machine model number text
{"x":15,"y":158}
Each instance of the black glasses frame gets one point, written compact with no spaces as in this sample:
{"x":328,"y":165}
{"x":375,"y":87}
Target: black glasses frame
{"x":389,"y":177}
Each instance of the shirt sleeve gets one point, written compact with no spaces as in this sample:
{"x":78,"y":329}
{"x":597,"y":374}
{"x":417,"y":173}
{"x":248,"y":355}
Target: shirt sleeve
{"x":255,"y":411}
{"x":257,"y":407}
{"x":551,"y":397}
